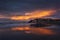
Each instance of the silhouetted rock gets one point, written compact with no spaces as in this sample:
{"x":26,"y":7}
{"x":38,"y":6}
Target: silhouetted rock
{"x":42,"y":22}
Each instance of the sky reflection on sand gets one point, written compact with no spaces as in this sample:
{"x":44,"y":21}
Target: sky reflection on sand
{"x":34,"y":30}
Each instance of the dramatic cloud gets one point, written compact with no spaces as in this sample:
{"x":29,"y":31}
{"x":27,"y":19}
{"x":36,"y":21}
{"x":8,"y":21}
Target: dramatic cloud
{"x":34,"y":14}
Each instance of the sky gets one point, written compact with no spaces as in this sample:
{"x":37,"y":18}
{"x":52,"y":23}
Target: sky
{"x":20,"y":7}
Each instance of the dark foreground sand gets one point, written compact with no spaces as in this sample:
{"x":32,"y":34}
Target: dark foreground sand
{"x":21,"y":35}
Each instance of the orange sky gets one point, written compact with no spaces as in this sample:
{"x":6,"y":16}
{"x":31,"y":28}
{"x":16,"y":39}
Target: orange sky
{"x":34,"y":14}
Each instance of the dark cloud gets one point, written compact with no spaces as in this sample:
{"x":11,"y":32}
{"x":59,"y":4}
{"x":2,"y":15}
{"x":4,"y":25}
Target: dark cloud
{"x":8,"y":6}
{"x":24,"y":5}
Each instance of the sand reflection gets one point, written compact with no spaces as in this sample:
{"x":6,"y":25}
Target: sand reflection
{"x":38,"y":31}
{"x":43,"y":31}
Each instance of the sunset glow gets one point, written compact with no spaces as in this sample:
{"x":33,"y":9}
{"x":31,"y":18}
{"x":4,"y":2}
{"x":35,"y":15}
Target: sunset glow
{"x":34,"y":14}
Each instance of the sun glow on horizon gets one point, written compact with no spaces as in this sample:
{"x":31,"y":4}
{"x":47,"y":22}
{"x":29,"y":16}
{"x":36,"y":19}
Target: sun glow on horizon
{"x":34,"y":14}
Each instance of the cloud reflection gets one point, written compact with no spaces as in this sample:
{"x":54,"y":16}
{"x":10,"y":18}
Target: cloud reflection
{"x":37,"y":31}
{"x":42,"y":31}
